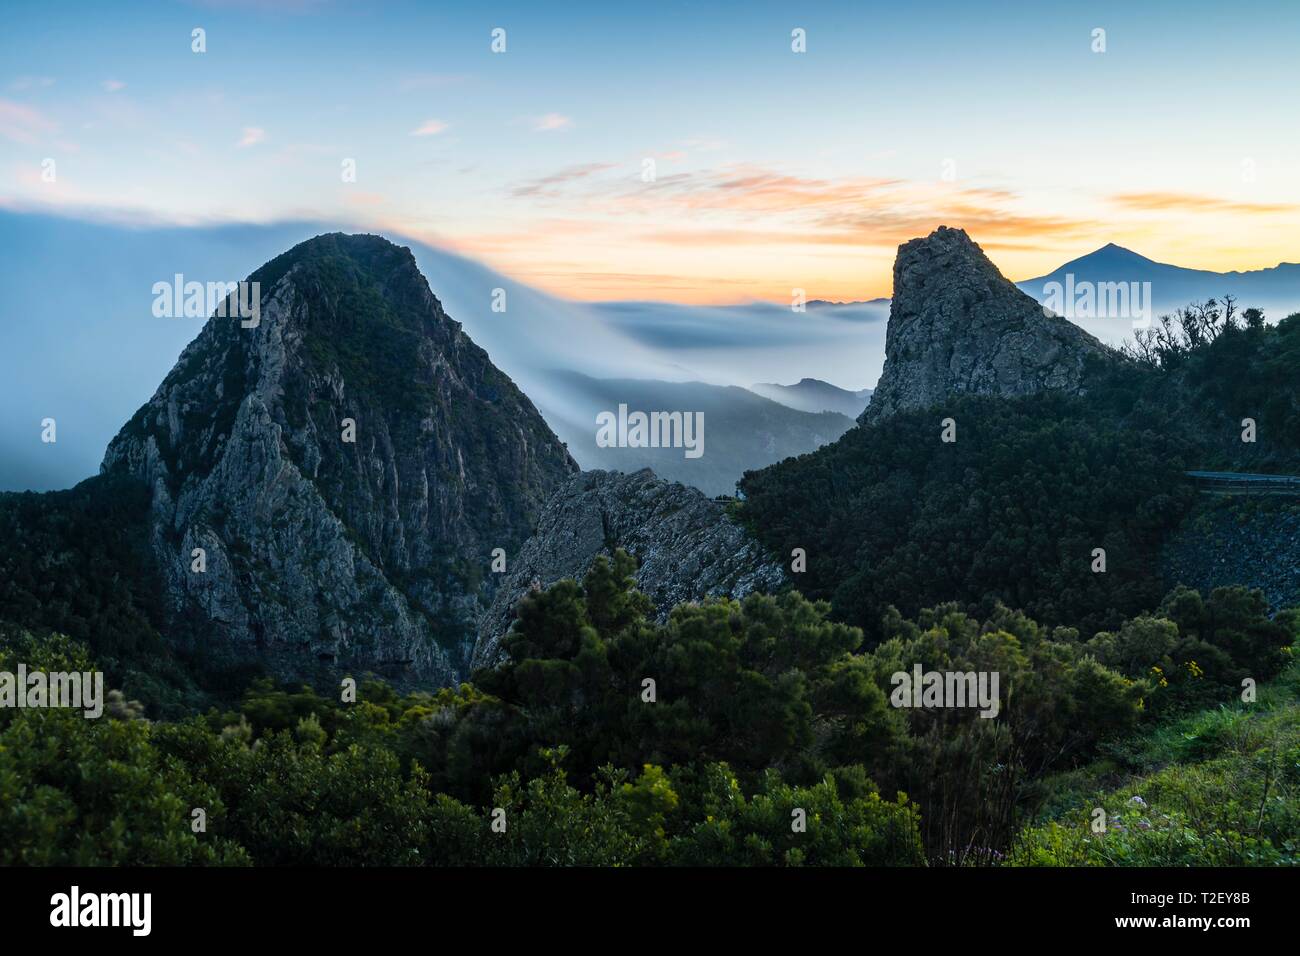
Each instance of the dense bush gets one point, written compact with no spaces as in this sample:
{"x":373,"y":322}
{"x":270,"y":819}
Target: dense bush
{"x":1011,"y":511}
{"x":78,"y":563}
{"x":79,"y":792}
{"x":764,"y":716}
{"x":773,"y":695}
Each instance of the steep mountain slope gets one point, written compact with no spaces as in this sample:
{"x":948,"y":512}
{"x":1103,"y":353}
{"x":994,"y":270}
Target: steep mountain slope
{"x":957,"y":327}
{"x":686,"y":546}
{"x":814,"y":395}
{"x":367,"y":553}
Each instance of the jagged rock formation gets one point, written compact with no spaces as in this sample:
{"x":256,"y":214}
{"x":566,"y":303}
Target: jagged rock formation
{"x":369,"y":554}
{"x":956,"y":326}
{"x":686,"y":546}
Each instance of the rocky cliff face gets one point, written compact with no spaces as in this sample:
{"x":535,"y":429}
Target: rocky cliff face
{"x":956,"y":326}
{"x":365,"y":554}
{"x":686,"y":546}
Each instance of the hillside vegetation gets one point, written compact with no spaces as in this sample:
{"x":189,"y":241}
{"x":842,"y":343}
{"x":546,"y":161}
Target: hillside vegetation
{"x":1013,"y":509}
{"x":755,"y":732}
{"x":766,"y":737}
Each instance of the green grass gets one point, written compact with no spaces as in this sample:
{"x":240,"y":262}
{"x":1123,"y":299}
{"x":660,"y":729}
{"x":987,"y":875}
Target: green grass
{"x":1220,"y":787}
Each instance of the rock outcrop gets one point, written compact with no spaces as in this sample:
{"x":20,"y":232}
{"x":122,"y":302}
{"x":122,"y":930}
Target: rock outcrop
{"x":686,"y":546}
{"x":956,"y":327}
{"x":369,"y":554}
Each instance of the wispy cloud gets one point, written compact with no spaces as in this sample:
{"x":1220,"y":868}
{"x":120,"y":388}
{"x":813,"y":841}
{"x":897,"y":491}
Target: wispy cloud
{"x":24,"y":83}
{"x":751,"y":205}
{"x":265,"y":6}
{"x":428,"y":81}
{"x":112,"y":86}
{"x":768,"y":227}
{"x":22,"y":124}
{"x":366,"y":199}
{"x":549,"y":122}
{"x":1192,"y":202}
{"x":545,"y":184}
{"x":431,"y":127}
{"x":252,"y":135}
{"x":705,"y":144}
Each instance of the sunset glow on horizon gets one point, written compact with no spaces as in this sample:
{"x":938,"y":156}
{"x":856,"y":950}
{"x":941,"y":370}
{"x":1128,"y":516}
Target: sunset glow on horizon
{"x":692,"y":158}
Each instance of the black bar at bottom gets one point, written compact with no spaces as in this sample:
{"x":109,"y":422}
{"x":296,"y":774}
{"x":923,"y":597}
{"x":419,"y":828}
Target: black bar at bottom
{"x":930,"y":905}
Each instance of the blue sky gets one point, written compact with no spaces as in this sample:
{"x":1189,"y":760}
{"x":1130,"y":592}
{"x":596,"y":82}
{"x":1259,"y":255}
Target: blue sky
{"x":774,"y":170}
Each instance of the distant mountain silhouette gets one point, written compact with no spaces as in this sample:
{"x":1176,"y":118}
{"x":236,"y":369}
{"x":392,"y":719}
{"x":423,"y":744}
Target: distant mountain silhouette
{"x":743,"y":431}
{"x":814,"y":395}
{"x":829,"y":303}
{"x":1275,"y":290}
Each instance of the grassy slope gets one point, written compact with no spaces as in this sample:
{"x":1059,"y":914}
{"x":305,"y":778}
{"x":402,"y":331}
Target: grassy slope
{"x":1218,"y":787}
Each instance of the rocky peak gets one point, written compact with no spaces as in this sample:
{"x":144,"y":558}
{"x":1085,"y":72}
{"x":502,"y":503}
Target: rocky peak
{"x":347,"y":464}
{"x":957,"y":326}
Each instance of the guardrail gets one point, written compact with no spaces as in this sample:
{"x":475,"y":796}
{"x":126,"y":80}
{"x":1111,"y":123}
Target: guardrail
{"x":1232,"y":482}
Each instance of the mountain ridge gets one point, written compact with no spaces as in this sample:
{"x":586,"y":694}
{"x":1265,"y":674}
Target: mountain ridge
{"x":743,"y":430}
{"x":815,"y":395}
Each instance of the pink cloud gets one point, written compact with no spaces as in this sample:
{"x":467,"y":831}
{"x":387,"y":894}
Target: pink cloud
{"x":550,"y":122}
{"x":22,"y":124}
{"x":430,"y":127}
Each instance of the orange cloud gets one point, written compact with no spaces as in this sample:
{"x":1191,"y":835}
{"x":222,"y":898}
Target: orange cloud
{"x":702,"y":234}
{"x":753,"y":224}
{"x":795,"y":209}
{"x":1190,"y":202}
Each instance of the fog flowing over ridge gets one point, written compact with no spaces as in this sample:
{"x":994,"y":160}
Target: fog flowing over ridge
{"x":80,"y":343}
